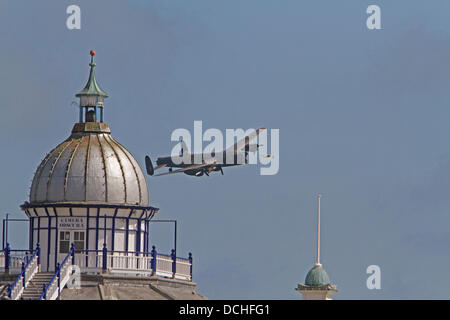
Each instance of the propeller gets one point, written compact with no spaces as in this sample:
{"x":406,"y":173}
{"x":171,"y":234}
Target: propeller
{"x":149,"y":166}
{"x":221,"y":170}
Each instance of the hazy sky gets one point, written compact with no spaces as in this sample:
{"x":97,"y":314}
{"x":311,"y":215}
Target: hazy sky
{"x":363,"y":118}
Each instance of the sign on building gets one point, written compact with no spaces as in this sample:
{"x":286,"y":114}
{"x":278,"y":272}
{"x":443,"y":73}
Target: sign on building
{"x":71,"y":223}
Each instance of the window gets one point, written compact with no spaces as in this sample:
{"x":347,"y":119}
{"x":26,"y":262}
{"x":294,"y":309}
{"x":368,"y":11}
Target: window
{"x":67,"y":237}
{"x":79,"y":240}
{"x":64,"y":242}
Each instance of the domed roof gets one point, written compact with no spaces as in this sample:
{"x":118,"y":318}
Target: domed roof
{"x":317,"y":276}
{"x":90,"y":167}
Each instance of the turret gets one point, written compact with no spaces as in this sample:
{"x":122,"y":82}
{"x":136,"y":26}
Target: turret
{"x":91,"y":97}
{"x":317,"y":284}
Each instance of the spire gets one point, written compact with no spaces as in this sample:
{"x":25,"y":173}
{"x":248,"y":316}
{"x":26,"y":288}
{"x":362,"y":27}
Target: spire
{"x":317,"y":284}
{"x":92,"y":88}
{"x":91,"y":97}
{"x":318,"y":231}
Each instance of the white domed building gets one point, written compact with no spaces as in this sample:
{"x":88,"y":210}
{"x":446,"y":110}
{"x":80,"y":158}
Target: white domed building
{"x":89,"y":207}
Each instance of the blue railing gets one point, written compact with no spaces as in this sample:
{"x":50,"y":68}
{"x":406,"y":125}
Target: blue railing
{"x":152,"y":263}
{"x":133,"y":261}
{"x":11,"y":260}
{"x":55,"y":283}
{"x":28,"y":270}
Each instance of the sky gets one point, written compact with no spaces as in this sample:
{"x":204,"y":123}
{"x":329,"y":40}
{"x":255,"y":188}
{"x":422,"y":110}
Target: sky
{"x":363,"y":118}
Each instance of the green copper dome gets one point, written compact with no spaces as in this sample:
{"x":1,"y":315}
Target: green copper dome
{"x":317,"y":276}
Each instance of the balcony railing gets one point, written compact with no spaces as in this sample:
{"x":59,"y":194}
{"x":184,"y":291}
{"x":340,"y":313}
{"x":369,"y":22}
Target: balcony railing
{"x":127,"y":262}
{"x":119,"y":262}
{"x":11,"y":260}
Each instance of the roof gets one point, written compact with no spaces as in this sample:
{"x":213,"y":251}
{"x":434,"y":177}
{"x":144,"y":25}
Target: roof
{"x":130,"y":287}
{"x":90,"y":167}
{"x":317,"y":276}
{"x":92,"y":88}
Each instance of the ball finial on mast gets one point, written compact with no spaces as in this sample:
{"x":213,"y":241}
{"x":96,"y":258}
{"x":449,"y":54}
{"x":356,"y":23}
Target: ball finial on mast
{"x":92,"y":53}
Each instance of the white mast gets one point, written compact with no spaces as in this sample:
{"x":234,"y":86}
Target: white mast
{"x":318,"y":231}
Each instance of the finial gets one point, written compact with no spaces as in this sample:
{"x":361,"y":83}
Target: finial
{"x":91,"y":96}
{"x":92,"y":53}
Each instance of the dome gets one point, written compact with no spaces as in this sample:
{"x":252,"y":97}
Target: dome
{"x":317,"y":276}
{"x":90,"y":167}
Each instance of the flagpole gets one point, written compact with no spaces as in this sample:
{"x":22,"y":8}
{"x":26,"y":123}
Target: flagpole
{"x":318,"y":231}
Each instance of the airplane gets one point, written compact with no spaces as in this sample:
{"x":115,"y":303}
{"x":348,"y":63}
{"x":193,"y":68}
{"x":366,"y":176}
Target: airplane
{"x":207,"y":166}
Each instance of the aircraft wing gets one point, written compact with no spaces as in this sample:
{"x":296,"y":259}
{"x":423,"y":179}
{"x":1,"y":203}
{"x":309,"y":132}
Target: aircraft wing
{"x":238,"y":146}
{"x":195,"y":166}
{"x":161,"y":166}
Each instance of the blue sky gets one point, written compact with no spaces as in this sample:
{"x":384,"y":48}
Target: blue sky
{"x":363,"y":118}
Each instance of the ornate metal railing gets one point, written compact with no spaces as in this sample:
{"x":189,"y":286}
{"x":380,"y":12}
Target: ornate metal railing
{"x":184,"y":268}
{"x":144,"y":263}
{"x":164,"y":266}
{"x":17,"y":258}
{"x":52,"y":290}
{"x":134,"y":262}
{"x":28,"y":271}
{"x":120,"y":261}
{"x":11,"y":260}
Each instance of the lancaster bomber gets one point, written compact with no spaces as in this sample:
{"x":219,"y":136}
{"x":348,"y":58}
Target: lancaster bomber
{"x":186,"y":161}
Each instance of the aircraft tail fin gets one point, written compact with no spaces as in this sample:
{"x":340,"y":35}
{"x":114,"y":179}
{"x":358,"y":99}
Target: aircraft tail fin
{"x":244,"y":144}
